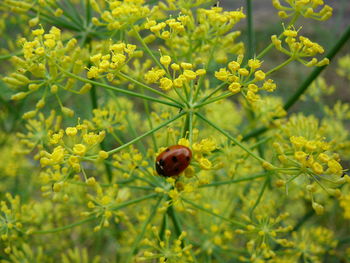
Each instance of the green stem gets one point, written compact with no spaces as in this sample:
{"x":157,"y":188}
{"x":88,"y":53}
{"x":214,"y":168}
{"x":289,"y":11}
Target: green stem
{"x":212,"y":93}
{"x":163,"y":227}
{"x":279,"y":66}
{"x":94,"y":217}
{"x":146,"y":104}
{"x":147,"y":48}
{"x":177,"y":225}
{"x":93,"y":97}
{"x":238,"y":143}
{"x":58,"y":229}
{"x":235,"y":180}
{"x":260,"y":196}
{"x":223,"y":96}
{"x":57,"y":21}
{"x":102,"y":144}
{"x":68,"y":14}
{"x":11,"y":55}
{"x":87,"y":11}
{"x":125,"y":204}
{"x":251,"y":37}
{"x":145,"y":134}
{"x":255,"y":133}
{"x":233,"y":222}
{"x":106,"y":86}
{"x":211,"y":54}
{"x":185,"y":127}
{"x":267,"y":49}
{"x":179,"y":94}
{"x":122,"y":75}
{"x":138,"y":239}
{"x":190,"y":126}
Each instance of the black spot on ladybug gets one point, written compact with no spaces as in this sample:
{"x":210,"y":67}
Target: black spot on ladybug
{"x":167,"y":150}
{"x":174,"y":159}
{"x":187,"y":159}
{"x":176,"y":169}
{"x":159,"y":168}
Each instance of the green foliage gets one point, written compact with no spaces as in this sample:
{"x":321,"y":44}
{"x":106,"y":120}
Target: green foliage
{"x":92,"y":91}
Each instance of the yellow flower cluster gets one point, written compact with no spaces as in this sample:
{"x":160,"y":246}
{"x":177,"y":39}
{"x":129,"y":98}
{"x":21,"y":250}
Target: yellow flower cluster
{"x":108,"y":65}
{"x":300,"y":48}
{"x":307,"y":8}
{"x":216,"y":235}
{"x":197,"y":28}
{"x":37,"y":134}
{"x":345,"y":204}
{"x":12,"y":217}
{"x":166,"y":250}
{"x":104,"y":203}
{"x":223,"y":21}
{"x":253,"y":174}
{"x":178,"y":5}
{"x":70,"y":148}
{"x":130,"y":163}
{"x":109,"y":118}
{"x":201,"y":150}
{"x":44,"y":58}
{"x":166,"y":29}
{"x":264,"y":231}
{"x":121,"y":14}
{"x":182,"y":74}
{"x":312,"y":243}
{"x":311,"y":154}
{"x":312,"y":158}
{"x":241,"y":79}
{"x":17,"y":6}
{"x":268,"y":108}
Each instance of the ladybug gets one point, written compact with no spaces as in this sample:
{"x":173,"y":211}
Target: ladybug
{"x":174,"y":160}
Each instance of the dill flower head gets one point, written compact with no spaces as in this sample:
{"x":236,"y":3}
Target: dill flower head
{"x":162,"y":247}
{"x":314,"y":9}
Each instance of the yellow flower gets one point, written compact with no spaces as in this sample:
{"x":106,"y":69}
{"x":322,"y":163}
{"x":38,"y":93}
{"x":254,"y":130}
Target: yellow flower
{"x":189,"y":74}
{"x":259,"y":75}
{"x":205,"y":164}
{"x":184,"y":142}
{"x":71,"y":131}
{"x":165,"y":60}
{"x":222,"y":74}
{"x":79,"y":149}
{"x":234,"y":87}
{"x":166,"y":84}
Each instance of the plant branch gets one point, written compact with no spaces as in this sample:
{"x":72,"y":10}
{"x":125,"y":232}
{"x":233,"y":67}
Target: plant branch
{"x":145,"y":134}
{"x":233,"y":222}
{"x":238,"y":143}
{"x":235,"y":180}
{"x":131,"y":93}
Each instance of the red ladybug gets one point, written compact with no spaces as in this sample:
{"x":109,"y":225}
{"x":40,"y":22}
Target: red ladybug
{"x":174,"y":160}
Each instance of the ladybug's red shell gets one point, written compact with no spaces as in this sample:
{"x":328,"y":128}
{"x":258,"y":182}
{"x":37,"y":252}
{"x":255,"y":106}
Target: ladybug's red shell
{"x":174,"y":160}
